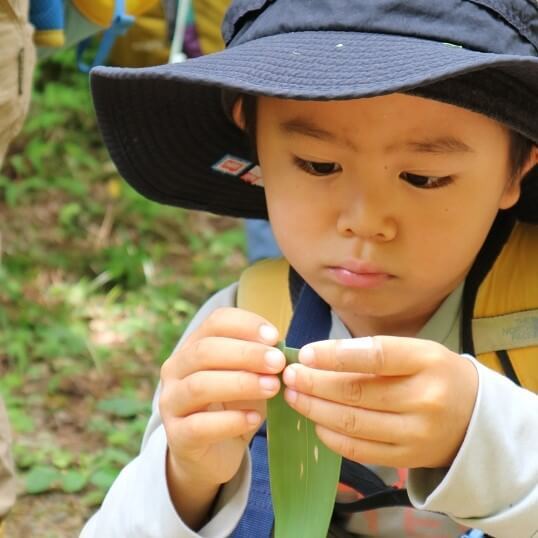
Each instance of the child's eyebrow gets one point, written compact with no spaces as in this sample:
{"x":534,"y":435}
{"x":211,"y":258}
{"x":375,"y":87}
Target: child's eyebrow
{"x":442,"y":144}
{"x":305,"y":127}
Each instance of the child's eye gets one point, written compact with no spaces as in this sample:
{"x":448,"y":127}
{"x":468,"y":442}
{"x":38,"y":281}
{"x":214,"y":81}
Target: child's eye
{"x":425,"y":182}
{"x":317,"y":168}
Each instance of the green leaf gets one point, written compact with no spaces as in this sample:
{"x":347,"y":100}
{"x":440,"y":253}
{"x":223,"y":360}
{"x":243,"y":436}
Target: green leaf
{"x":304,"y":473}
{"x":21,"y":421}
{"x":73,"y":481}
{"x":24,"y":457}
{"x":123,"y":407}
{"x":62,"y":458}
{"x":69,"y":213}
{"x":94,"y":498}
{"x":119,"y":437}
{"x":103,"y":478}
{"x":115,"y":456}
{"x":41,"y":479}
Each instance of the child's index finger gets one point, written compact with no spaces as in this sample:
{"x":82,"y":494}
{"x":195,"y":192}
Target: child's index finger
{"x":378,"y":355}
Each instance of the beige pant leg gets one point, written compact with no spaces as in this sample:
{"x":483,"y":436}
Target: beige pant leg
{"x":17,"y":61}
{"x":8,"y":482}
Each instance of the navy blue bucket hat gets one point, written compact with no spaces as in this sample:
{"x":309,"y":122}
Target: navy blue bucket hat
{"x":172,"y":139}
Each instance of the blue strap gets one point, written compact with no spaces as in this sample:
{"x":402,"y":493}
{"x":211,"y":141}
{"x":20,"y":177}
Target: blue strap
{"x":258,"y":517}
{"x":311,"y":322}
{"x":121,"y":22}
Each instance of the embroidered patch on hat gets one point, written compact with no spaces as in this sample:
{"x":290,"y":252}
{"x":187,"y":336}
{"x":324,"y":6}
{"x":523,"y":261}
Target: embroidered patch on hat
{"x":253,"y":176}
{"x":232,"y":166}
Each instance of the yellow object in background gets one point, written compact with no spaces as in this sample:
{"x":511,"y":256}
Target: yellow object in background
{"x":145,"y":43}
{"x":208,"y":15}
{"x":49,"y":38}
{"x":100,"y":12}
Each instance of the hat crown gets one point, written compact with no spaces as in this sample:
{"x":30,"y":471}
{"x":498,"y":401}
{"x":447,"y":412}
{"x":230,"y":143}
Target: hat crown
{"x":496,"y":26}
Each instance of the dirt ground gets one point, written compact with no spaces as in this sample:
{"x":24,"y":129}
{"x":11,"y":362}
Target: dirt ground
{"x":61,"y":512}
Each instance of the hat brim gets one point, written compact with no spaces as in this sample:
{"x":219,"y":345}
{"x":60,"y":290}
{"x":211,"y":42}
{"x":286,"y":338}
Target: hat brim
{"x":165,"y":126}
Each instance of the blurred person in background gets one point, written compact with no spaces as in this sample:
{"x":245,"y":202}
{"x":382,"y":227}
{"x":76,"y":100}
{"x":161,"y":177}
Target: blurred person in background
{"x":17,"y":61}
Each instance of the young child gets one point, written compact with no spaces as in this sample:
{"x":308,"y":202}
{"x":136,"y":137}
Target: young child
{"x":393,"y":147}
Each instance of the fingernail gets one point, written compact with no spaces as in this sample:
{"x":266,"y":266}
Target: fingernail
{"x":253,"y":418}
{"x":274,"y":358}
{"x":366,"y":342}
{"x":268,"y":383}
{"x":268,"y":333}
{"x":290,"y":375}
{"x":306,"y":355}
{"x":290,"y":395}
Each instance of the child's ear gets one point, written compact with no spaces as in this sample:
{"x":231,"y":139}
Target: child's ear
{"x":533,"y":159}
{"x":237,"y":113}
{"x":512,"y":191}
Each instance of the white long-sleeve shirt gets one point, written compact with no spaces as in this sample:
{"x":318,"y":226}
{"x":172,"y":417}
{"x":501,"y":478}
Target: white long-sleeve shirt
{"x":492,"y":483}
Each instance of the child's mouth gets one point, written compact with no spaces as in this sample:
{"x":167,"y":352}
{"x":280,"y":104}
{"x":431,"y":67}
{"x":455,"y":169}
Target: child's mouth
{"x":359,"y":275}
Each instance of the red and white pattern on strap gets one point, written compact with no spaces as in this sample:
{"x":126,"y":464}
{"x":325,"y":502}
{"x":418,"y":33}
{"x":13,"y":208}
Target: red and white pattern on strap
{"x":413,"y":523}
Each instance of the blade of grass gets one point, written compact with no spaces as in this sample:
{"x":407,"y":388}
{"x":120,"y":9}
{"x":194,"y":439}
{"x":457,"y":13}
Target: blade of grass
{"x":303,"y":472}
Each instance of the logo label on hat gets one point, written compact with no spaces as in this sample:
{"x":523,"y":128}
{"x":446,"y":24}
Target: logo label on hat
{"x":230,"y":165}
{"x":253,"y":176}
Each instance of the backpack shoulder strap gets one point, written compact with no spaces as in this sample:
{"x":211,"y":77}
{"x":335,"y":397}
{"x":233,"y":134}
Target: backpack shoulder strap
{"x":505,"y":318}
{"x":263,"y":289}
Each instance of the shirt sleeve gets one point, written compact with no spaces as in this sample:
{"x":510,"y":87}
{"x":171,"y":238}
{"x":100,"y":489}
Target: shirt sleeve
{"x":492,"y":484}
{"x":138,"y":503}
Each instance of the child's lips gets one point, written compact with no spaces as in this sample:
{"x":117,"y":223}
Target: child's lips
{"x":358,"y":274}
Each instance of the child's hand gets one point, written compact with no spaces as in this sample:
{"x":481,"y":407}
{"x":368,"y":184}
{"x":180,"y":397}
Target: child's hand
{"x":401,"y":402}
{"x":213,"y":395}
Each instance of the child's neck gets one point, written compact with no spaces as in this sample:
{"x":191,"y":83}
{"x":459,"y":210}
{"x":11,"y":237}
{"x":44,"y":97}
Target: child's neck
{"x":403,"y":325}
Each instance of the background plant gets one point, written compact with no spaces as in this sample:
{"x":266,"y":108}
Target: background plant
{"x":96,"y":286}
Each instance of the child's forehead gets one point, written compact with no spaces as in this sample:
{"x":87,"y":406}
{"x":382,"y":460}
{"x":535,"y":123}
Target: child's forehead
{"x":380,"y":103}
{"x":393,"y":124}
{"x":396,"y":111}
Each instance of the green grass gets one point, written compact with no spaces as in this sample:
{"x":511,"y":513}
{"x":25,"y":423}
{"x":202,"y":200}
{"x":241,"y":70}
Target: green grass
{"x":96,"y":286}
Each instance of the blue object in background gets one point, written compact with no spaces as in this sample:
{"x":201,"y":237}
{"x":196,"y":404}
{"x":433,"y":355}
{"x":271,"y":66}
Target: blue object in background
{"x":261,"y":242}
{"x":120,"y":23}
{"x":59,"y":24}
{"x":47,"y":16}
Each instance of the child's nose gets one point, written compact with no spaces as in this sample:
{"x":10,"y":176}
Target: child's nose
{"x":366,"y":215}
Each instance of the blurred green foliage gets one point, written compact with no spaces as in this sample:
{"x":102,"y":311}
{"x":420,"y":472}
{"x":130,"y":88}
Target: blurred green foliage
{"x":96,"y":286}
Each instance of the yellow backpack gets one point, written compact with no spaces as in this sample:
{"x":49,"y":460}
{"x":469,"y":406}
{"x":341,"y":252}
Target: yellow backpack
{"x":505,"y":316}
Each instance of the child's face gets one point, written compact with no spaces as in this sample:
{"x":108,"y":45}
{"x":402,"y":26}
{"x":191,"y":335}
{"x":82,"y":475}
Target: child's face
{"x":404,"y":187}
